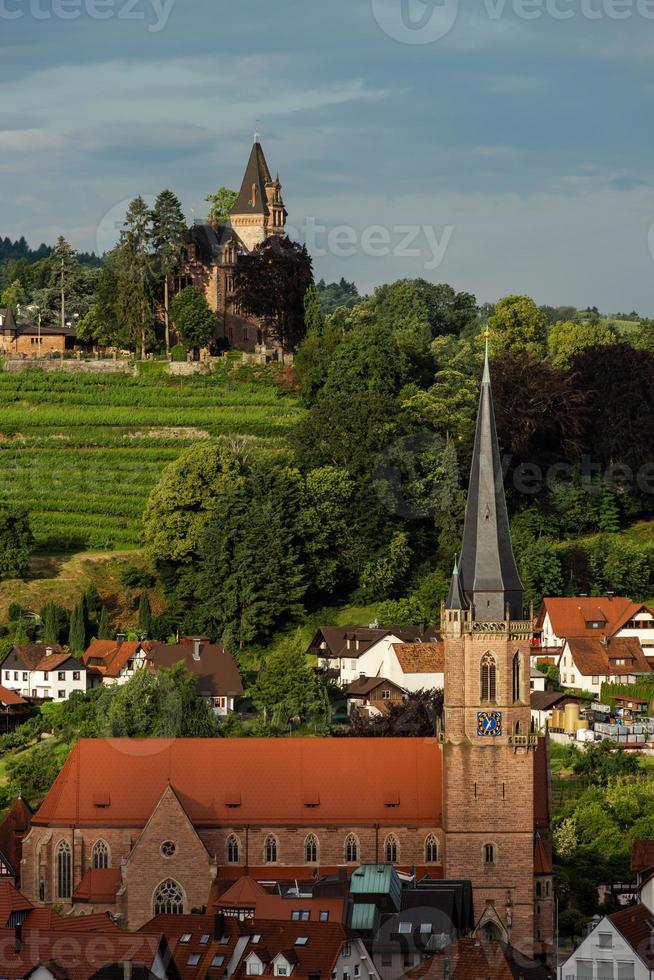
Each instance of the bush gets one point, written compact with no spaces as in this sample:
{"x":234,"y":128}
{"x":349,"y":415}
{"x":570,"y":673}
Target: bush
{"x":178,"y":353}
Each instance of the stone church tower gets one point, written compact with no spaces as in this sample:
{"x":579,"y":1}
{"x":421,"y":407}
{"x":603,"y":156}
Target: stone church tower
{"x":488,"y":749}
{"x":259,"y":210}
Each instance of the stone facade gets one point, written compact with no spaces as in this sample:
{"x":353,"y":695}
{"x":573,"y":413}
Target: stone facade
{"x":213,"y":252}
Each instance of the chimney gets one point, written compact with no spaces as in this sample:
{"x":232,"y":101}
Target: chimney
{"x":197,"y":646}
{"x":127,"y":970}
{"x":48,"y":651}
{"x":18,"y":938}
{"x":120,"y":639}
{"x":218,"y":926}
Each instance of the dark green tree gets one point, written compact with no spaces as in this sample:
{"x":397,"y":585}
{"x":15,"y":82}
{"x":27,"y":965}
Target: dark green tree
{"x":104,"y":629}
{"x":135,"y":274}
{"x":77,"y":634}
{"x":270,"y":283}
{"x":16,"y":540}
{"x":193,"y":319}
{"x":55,"y":622}
{"x":221,"y":203}
{"x":168,"y":233}
{"x":145,"y":615}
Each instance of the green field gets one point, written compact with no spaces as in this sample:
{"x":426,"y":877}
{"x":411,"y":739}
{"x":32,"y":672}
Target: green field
{"x":82,"y":452}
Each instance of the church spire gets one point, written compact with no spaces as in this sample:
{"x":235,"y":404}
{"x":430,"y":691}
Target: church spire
{"x":487,"y":569}
{"x":456,"y":597}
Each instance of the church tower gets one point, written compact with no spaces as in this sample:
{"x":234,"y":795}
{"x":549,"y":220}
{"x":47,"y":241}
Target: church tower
{"x":259,"y":210}
{"x":488,"y":748}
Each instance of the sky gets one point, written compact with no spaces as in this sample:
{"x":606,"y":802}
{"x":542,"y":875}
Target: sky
{"x":503,"y":146}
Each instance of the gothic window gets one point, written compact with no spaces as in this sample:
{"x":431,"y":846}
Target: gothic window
{"x":311,"y":849}
{"x":233,"y":849}
{"x":168,"y":898}
{"x":64,"y":870}
{"x":168,"y":848}
{"x":516,"y":677}
{"x":100,"y":855}
{"x":431,"y":849}
{"x":270,"y":850}
{"x":489,"y":854}
{"x":390,"y":848}
{"x":351,"y":848}
{"x":488,"y":677}
{"x":516,"y":728}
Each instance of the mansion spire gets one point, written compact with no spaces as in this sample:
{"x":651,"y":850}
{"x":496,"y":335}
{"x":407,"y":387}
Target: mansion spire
{"x":259,"y":210}
{"x":487,"y":569}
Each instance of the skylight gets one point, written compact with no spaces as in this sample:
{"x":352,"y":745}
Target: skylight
{"x":301,"y":940}
{"x":185,"y":937}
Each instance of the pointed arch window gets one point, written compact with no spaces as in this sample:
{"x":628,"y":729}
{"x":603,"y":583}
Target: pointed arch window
{"x":351,"y":848}
{"x":488,"y":677}
{"x":431,"y":849}
{"x":270,"y":849}
{"x":101,"y":856}
{"x":233,"y":849}
{"x":168,"y":898}
{"x":516,"y":677}
{"x":311,"y":849}
{"x":390,"y":849}
{"x":64,"y":870}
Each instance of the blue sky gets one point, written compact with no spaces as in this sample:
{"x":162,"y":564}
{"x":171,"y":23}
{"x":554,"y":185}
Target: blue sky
{"x":511,"y":154}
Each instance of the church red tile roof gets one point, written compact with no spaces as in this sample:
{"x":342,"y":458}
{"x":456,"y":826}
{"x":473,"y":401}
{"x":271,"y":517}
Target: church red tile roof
{"x":118,"y":782}
{"x":11,"y":901}
{"x":98,"y":885}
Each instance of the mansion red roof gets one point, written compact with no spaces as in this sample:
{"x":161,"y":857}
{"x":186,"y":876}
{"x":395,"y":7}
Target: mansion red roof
{"x":573,"y":616}
{"x":118,"y":782}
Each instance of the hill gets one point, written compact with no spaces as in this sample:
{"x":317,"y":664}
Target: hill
{"x":82,"y":452}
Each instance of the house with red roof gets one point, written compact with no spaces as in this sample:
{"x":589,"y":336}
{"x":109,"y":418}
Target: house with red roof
{"x":114,"y":662}
{"x":595,"y":617}
{"x":587,"y":662}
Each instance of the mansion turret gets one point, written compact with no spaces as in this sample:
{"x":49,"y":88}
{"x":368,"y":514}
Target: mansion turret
{"x":213,"y":250}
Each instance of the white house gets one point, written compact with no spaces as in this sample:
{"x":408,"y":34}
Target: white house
{"x":114,"y":662}
{"x":618,"y":948}
{"x":589,"y":616}
{"x":410,"y":657}
{"x":585,"y":663}
{"x":38,"y":670}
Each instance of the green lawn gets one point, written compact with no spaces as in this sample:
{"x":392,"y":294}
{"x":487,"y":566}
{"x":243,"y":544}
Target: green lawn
{"x":84,"y":451}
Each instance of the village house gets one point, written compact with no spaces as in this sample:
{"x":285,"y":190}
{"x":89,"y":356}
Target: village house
{"x":213,"y":251}
{"x":586,"y":663}
{"x":412,"y":657}
{"x":44,"y":672}
{"x":114,"y":662}
{"x":215,"y":946}
{"x":14,"y":710}
{"x":372,"y":695}
{"x":321,"y":901}
{"x":620,"y":946}
{"x":595,"y":616}
{"x":28,"y":340}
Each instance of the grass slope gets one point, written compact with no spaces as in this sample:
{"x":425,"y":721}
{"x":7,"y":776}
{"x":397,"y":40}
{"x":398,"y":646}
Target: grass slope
{"x":84,"y":451}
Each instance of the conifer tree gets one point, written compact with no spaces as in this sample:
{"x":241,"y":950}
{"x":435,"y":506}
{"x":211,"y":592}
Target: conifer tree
{"x":168,"y":231}
{"x":145,"y":614}
{"x":77,"y":634}
{"x":103,"y":625}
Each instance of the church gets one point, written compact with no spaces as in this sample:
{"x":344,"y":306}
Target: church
{"x":141,"y":827}
{"x":213,"y":250}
